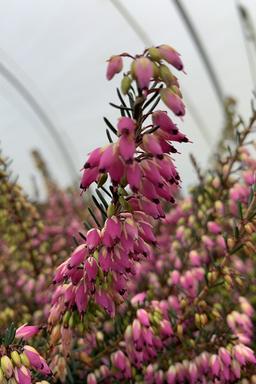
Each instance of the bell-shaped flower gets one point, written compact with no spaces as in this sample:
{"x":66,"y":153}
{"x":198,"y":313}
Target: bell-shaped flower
{"x":173,"y":101}
{"x":115,"y":65}
{"x":143,"y":71}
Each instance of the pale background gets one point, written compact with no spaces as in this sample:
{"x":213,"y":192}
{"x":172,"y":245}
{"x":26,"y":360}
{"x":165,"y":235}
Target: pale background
{"x":58,"y":48}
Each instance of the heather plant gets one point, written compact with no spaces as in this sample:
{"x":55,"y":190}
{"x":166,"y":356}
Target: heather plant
{"x":157,"y":288}
{"x":142,"y":174}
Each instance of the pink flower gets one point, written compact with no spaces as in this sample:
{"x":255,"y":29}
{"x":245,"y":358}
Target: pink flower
{"x":171,"y":56}
{"x":139,"y":298}
{"x":143,"y":71}
{"x":143,"y":317}
{"x":119,"y":360}
{"x":134,"y":175}
{"x":81,"y":297}
{"x":166,"y":328}
{"x":22,"y":375}
{"x":91,"y":379}
{"x":171,"y":375}
{"x":225,"y":356}
{"x":161,"y":119}
{"x":152,"y":146}
{"x":36,"y":360}
{"x":127,"y":148}
{"x":213,"y":227}
{"x":193,"y":372}
{"x":89,"y":176}
{"x":108,"y":156}
{"x":173,"y":101}
{"x":126,"y":126}
{"x":93,"y":158}
{"x":115,"y":65}
{"x":105,"y":301}
{"x":93,"y":238}
{"x":215,"y":364}
{"x":26,"y":331}
{"x":78,"y":256}
{"x":136,"y":329}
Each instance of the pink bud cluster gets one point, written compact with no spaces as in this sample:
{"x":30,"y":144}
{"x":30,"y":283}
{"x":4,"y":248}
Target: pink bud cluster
{"x":222,"y":367}
{"x":17,"y":364}
{"x":142,"y":161}
{"x":147,"y":335}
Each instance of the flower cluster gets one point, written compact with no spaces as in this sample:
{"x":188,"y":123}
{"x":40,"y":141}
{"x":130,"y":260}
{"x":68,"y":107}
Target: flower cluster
{"x":142,"y":175}
{"x":18,"y":362}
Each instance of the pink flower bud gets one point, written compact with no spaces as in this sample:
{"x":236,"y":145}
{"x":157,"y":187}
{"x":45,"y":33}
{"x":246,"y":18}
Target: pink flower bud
{"x":249,"y":354}
{"x":173,"y":101}
{"x":126,"y":146}
{"x":194,"y":258}
{"x":26,"y":331}
{"x":107,"y":158}
{"x":215,"y":364}
{"x":113,"y":227}
{"x":22,"y":375}
{"x":225,"y":356}
{"x":115,"y":65}
{"x":143,"y":71}
{"x":166,"y":328}
{"x":149,"y":374}
{"x":213,"y":227}
{"x":116,"y":170}
{"x":104,"y":370}
{"x":159,"y":377}
{"x":133,"y":174}
{"x":143,"y":317}
{"x":204,"y":361}
{"x":93,"y":158}
{"x":126,"y":126}
{"x":193,"y":372}
{"x":119,"y":360}
{"x":136,"y":329}
{"x":32,"y":355}
{"x":36,"y":360}
{"x":246,"y":306}
{"x":91,"y":379}
{"x":171,"y":56}
{"x":81,"y":297}
{"x":89,"y":176}
{"x":78,"y":256}
{"x":239,"y":354}
{"x":91,"y":268}
{"x":146,"y":232}
{"x":151,"y":144}
{"x":175,"y":277}
{"x":161,"y":119}
{"x":171,"y":375}
{"x":148,"y":335}
{"x":149,"y":207}
{"x":139,"y":298}
{"x":104,"y":300}
{"x":93,"y":238}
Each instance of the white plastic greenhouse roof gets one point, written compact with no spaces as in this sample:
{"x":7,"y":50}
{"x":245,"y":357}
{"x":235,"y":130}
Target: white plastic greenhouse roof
{"x":52,"y":72}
